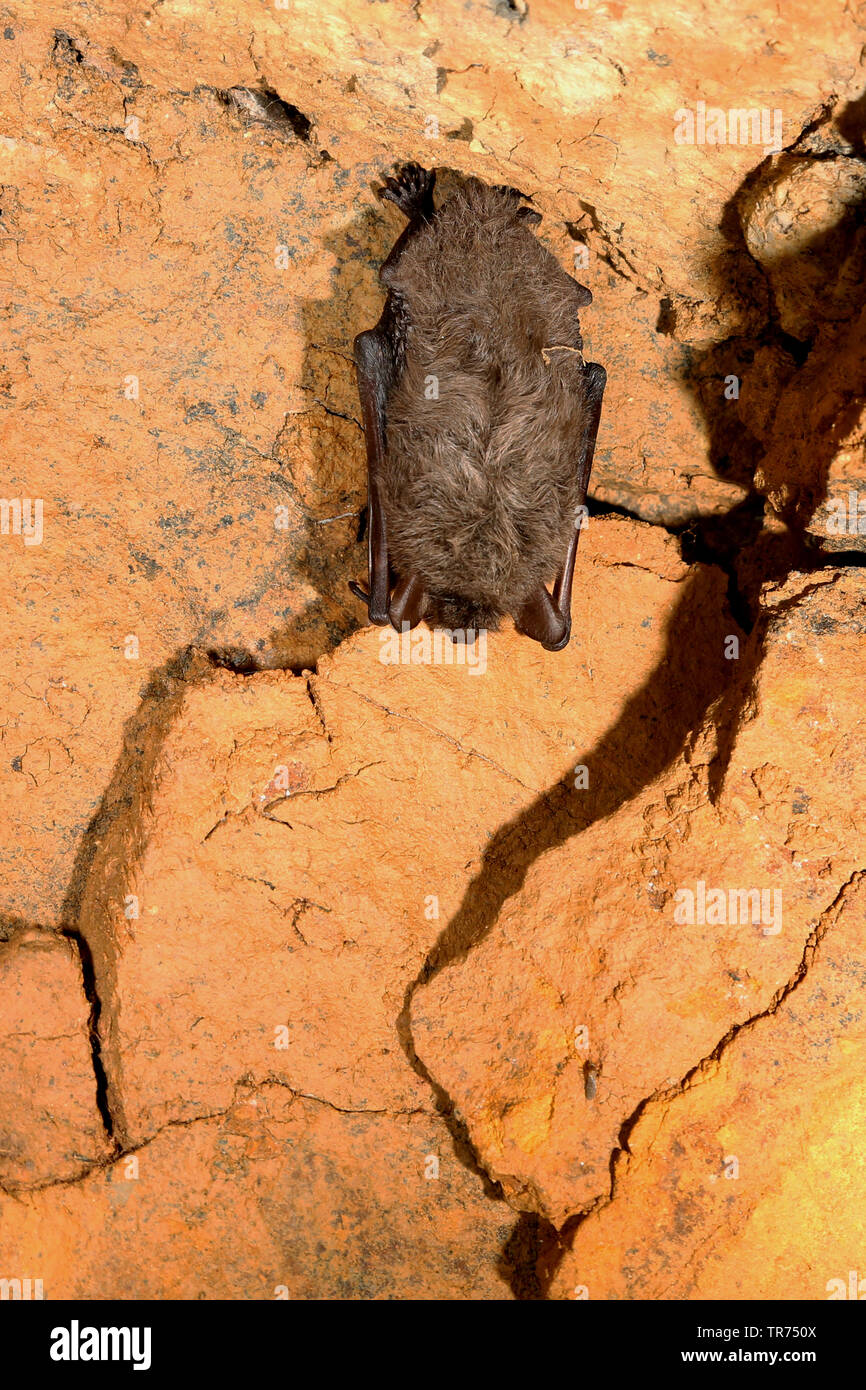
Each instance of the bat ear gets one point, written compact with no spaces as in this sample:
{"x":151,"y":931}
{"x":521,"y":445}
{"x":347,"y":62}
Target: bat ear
{"x":408,"y":602}
{"x":540,"y":619}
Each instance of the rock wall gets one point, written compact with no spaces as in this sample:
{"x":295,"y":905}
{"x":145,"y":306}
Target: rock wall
{"x":331,"y":975}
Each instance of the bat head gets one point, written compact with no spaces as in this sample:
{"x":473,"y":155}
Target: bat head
{"x":456,"y":612}
{"x":464,"y":616}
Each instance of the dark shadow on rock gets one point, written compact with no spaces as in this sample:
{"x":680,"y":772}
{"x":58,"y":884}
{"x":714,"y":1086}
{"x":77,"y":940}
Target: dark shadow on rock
{"x":527,"y":1251}
{"x":653,"y":727}
{"x":744,"y":432}
{"x":100,"y":872}
{"x":328,"y":552}
{"x":320,"y":452}
{"x":659,"y":719}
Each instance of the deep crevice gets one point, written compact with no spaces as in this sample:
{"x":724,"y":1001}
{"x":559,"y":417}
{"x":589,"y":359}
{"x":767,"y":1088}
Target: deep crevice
{"x":65,"y":48}
{"x":242,"y":662}
{"x":91,"y":993}
{"x":266,"y":107}
{"x":531,"y":1237}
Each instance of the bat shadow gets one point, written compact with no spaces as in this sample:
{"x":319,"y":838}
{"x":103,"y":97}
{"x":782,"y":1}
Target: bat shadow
{"x":652,"y":728}
{"x":330,"y":501}
{"x":659,"y":718}
{"x":324,"y":495}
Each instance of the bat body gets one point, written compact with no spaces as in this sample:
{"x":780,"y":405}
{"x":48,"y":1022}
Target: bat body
{"x":480,"y":418}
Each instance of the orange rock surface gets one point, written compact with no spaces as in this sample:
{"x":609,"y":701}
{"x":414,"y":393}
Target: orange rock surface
{"x":276,"y":1197}
{"x":275,"y":874}
{"x":749,"y":1182}
{"x":324,"y":975}
{"x":50,"y":1127}
{"x":608,"y":963}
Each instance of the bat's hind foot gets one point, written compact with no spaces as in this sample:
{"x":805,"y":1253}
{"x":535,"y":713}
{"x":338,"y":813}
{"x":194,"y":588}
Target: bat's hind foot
{"x":376,"y":614}
{"x":410,"y":188}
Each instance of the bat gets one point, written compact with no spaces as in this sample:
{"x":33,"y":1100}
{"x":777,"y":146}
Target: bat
{"x":480,"y":418}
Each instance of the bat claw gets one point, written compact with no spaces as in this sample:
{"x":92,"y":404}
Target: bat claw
{"x":359,"y":591}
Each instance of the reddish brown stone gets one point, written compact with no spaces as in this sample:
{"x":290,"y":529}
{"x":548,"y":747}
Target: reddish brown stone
{"x":589,"y":969}
{"x":278,"y":1197}
{"x":748,"y":1182}
{"x":186,"y":276}
{"x":50,"y":1127}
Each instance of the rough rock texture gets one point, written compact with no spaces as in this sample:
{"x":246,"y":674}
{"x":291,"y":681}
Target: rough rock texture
{"x":279,"y":837}
{"x":749,"y":1182}
{"x":188,"y":267}
{"x":251,"y":924}
{"x":592,"y":942}
{"x":50,"y":1126}
{"x":802,"y":222}
{"x":814,"y":472}
{"x":277,"y":1197}
{"x":219,"y":979}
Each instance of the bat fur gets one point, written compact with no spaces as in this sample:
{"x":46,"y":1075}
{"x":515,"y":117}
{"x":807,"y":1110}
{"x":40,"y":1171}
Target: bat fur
{"x":482,"y":424}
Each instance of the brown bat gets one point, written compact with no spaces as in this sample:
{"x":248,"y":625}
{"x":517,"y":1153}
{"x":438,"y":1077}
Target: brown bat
{"x":480,"y":418}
